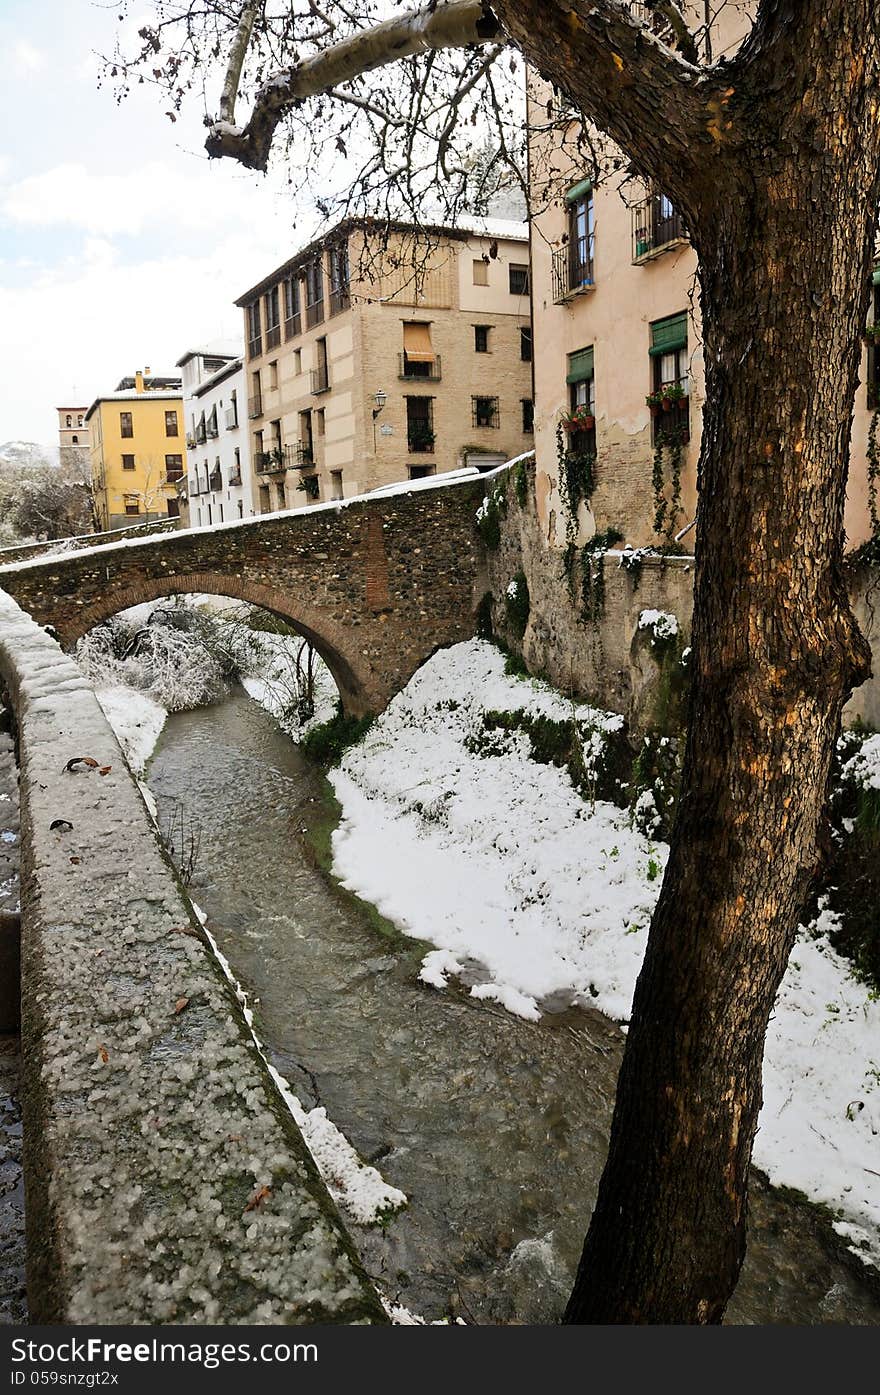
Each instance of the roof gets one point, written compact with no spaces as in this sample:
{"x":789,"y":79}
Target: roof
{"x":227,"y":371}
{"x":152,"y":382}
{"x":218,"y":348}
{"x":502,"y":228}
{"x":132,"y":396}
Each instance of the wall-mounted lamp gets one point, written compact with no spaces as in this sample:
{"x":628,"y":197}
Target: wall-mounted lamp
{"x":379,"y":398}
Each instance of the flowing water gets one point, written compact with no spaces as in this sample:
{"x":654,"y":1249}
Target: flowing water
{"x":495,"y":1128}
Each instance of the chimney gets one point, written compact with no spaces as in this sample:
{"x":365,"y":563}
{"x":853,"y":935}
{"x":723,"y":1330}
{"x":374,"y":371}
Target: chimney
{"x":139,"y":381}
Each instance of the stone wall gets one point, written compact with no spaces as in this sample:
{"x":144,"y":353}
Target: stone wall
{"x":166,"y":1180}
{"x":377,"y":584}
{"x":612,"y":662}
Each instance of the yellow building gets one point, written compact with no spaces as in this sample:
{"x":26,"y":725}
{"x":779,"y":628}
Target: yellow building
{"x":136,"y":444}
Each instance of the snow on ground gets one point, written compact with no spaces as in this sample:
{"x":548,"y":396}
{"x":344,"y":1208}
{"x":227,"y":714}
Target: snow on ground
{"x":497,"y":859}
{"x":136,"y":720}
{"x":272,"y":684}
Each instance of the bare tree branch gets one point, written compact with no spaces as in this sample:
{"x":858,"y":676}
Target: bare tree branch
{"x":236,"y":62}
{"x":454,"y":25}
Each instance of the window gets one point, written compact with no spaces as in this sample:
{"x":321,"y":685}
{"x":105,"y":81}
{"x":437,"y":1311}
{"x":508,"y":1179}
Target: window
{"x":321,"y":371}
{"x":173,"y":467}
{"x":171,"y":426}
{"x":525,"y":345}
{"x":306,"y":439}
{"x":69,"y":419}
{"x":419,"y":359}
{"x":273,"y":374}
{"x":484,"y":412}
{"x":518,"y":278}
{"x":126,"y":427}
{"x":79,"y":420}
{"x":319,"y":421}
{"x":292,"y":308}
{"x":273,"y":319}
{"x":314,"y":292}
{"x":420,"y":424}
{"x":128,"y":462}
{"x":481,"y":272}
{"x":76,"y":440}
{"x":581,"y":237}
{"x":656,"y":226}
{"x":173,"y":507}
{"x":255,"y":339}
{"x":339,"y":277}
{"x":132,"y":508}
{"x":255,"y":402}
{"x":669,"y":401}
{"x":297,"y":361}
{"x":336,"y":484}
{"x":421,"y":472}
{"x":528,"y":416}
{"x":481,"y":339}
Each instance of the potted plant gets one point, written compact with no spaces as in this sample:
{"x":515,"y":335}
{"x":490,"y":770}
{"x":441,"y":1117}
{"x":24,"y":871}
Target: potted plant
{"x":581,"y":419}
{"x":643,"y":243}
{"x":654,"y":402}
{"x":671,"y":396}
{"x":871,"y":335}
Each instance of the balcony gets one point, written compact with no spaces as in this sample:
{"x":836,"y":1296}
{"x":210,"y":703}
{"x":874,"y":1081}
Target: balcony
{"x":427,"y":372}
{"x":234,"y":477}
{"x":271,"y":462}
{"x":201,"y":433}
{"x":420,"y":441}
{"x":572,"y":274}
{"x":212,"y":428}
{"x":255,"y":408}
{"x":273,"y":337}
{"x":315,"y":314}
{"x":190,"y":442}
{"x":231,"y":418}
{"x":303,"y":456}
{"x":194,"y":489}
{"x":293,"y":326}
{"x":320,"y":379}
{"x":656,"y":228}
{"x":255,"y":346}
{"x":215,"y":479}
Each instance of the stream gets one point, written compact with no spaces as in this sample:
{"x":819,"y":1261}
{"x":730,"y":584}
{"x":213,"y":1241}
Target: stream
{"x":495,"y":1128}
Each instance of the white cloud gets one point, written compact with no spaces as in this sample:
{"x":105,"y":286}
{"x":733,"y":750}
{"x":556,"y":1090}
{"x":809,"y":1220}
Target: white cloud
{"x":26,"y":58}
{"x":192,"y":196}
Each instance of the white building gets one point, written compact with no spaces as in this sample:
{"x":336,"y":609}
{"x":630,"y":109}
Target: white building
{"x":217,"y":486}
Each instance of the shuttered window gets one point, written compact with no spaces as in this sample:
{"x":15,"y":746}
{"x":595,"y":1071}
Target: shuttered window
{"x":669,"y":334}
{"x":417,"y":343}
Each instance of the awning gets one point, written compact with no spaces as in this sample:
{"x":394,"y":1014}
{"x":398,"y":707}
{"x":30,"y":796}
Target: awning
{"x":580,"y":366}
{"x":669,"y":334}
{"x":578,"y":191}
{"x":417,"y":343}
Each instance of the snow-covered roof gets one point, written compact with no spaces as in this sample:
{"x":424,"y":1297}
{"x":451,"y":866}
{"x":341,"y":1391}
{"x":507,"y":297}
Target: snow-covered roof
{"x":227,"y":371}
{"x":148,"y":395}
{"x":217,"y":348}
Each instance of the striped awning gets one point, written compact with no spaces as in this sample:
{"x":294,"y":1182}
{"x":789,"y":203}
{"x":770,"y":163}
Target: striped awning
{"x":417,"y":343}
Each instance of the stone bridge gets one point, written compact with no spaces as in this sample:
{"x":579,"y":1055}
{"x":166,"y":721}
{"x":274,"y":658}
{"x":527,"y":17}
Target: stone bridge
{"x":376,"y":584}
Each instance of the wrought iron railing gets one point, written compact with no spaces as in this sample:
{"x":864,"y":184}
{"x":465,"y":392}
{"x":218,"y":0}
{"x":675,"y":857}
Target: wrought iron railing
{"x":420,"y":441}
{"x":273,"y":337}
{"x":315,"y":313}
{"x":293,"y":326}
{"x":426,"y":371}
{"x":303,"y":456}
{"x":340,"y":299}
{"x":321,"y":379}
{"x":572,"y":273}
{"x":655,"y":226}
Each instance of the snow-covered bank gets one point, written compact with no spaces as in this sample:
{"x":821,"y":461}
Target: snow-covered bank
{"x":492,"y":857}
{"x":136,"y":719}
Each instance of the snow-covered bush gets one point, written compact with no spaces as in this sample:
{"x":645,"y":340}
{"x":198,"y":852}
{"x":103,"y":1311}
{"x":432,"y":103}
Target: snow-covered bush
{"x":660,"y":624}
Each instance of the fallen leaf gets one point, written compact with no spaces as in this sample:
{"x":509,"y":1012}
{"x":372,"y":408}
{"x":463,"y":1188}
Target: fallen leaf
{"x":76,"y":860}
{"x":60,"y":823}
{"x":105,"y":769}
{"x":104,"y":1053}
{"x":258,"y":1198}
{"x":180,"y":1004}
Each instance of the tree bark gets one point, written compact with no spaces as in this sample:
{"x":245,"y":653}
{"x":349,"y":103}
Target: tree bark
{"x":784,"y":258}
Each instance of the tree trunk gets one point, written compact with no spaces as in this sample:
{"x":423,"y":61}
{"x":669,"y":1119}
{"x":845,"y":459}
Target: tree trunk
{"x":784,"y":289}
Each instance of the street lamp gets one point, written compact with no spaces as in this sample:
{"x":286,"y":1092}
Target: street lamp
{"x":379,"y":398}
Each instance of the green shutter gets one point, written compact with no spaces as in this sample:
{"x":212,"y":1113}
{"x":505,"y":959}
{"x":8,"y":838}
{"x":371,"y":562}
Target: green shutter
{"x":669,"y":334}
{"x":580,"y":366}
{"x":579,"y":191}
{"x":876,"y":276}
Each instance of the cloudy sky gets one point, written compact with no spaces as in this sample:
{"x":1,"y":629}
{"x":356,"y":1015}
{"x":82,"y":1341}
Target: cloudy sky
{"x":121,"y":245}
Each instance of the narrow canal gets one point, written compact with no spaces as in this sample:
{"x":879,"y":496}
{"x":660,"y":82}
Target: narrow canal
{"x":495,"y":1128}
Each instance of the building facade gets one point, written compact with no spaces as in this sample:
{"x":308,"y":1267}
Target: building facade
{"x":217,"y":484}
{"x":137,"y":450}
{"x":73,"y":441}
{"x":378,"y":355}
{"x":619,"y":373}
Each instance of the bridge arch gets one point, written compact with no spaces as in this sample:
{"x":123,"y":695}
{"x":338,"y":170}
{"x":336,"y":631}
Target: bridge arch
{"x":332,"y":641}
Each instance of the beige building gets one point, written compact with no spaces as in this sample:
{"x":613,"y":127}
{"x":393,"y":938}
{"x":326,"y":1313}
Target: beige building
{"x":73,"y":441}
{"x":618,"y":357}
{"x":375,"y":356}
{"x":136,"y":443}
